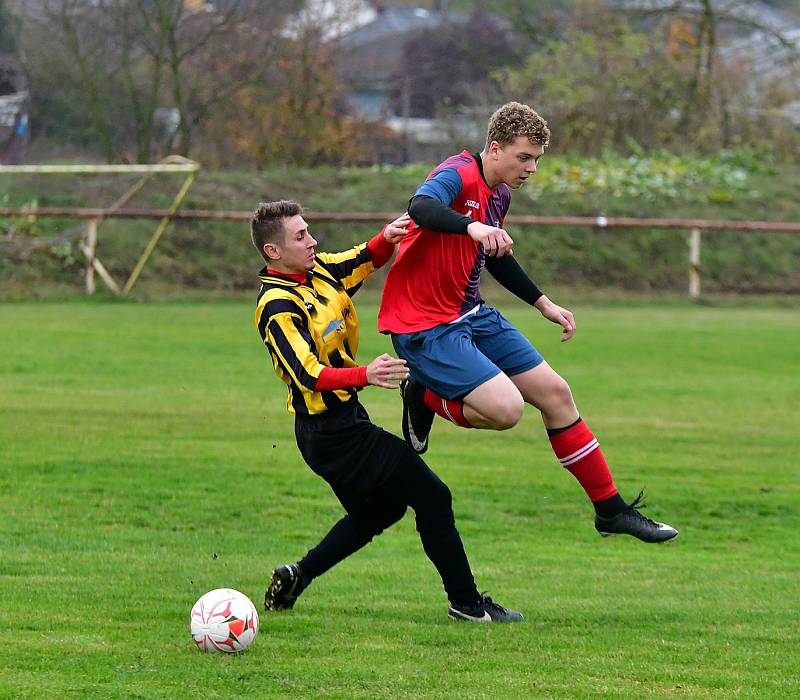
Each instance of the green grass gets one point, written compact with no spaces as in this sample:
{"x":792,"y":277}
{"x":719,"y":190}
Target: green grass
{"x":146,"y":457}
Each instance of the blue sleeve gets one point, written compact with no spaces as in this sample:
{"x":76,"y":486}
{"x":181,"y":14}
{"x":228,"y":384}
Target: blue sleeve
{"x":444,"y":187}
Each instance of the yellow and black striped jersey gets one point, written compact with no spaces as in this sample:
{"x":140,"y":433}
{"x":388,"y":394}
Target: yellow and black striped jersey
{"x":308,"y":326}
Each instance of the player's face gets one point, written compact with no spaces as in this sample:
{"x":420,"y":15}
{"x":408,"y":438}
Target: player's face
{"x":515,"y":162}
{"x":296,"y":253}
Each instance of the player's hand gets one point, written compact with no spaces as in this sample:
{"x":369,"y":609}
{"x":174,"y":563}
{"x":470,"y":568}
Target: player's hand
{"x":557,"y":314}
{"x":386,"y":371}
{"x":395,"y":231}
{"x":496,"y":242}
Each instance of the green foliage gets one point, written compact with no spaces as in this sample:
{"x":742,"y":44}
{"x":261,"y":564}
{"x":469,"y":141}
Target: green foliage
{"x":657,"y":175}
{"x":604,"y":84}
{"x":147,"y":457}
{"x":601,"y":89}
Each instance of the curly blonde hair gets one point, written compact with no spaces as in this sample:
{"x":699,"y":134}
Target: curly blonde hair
{"x":515,"y":119}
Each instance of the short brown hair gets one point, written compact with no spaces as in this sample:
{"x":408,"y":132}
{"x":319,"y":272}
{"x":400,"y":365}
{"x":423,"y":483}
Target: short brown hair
{"x":266,"y":224}
{"x":516,"y":119}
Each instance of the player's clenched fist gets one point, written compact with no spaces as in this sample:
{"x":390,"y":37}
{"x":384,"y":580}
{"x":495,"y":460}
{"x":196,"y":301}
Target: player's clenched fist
{"x":496,"y":242}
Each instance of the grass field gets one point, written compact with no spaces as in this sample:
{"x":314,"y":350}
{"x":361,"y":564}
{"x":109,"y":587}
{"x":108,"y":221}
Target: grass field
{"x":146,"y":457}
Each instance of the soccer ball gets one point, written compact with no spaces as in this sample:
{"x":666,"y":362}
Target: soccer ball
{"x":223,"y":620}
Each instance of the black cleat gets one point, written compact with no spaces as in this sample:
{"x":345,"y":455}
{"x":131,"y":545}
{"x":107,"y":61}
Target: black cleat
{"x":485,"y":611}
{"x":285,"y":587}
{"x":417,"y":417}
{"x":631,"y":522}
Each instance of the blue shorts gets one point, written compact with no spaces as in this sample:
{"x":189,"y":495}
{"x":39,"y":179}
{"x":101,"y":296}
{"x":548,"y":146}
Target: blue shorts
{"x":455,"y":358}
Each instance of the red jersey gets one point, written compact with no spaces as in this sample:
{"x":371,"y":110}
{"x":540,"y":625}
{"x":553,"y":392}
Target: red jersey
{"x":435,"y":277}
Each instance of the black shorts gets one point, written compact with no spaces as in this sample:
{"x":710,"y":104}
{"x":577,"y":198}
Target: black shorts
{"x":348,"y":450}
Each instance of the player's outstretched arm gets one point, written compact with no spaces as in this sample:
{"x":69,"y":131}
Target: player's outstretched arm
{"x":351,"y":268}
{"x":557,"y":314}
{"x":386,"y":371}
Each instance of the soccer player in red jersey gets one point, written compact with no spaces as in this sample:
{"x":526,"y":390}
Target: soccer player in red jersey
{"x":468,"y":364}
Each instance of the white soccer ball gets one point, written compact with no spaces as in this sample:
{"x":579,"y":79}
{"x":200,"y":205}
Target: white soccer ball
{"x":223,"y":620}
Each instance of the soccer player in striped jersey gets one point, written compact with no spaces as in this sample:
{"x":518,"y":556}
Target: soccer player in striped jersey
{"x":308,"y":323}
{"x":468,"y":364}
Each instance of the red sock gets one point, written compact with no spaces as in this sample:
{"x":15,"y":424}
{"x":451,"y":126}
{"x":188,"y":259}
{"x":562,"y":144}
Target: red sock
{"x":449,"y":409}
{"x":580,"y":453}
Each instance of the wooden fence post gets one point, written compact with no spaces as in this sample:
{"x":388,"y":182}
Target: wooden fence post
{"x":89,"y":250}
{"x":694,"y":264}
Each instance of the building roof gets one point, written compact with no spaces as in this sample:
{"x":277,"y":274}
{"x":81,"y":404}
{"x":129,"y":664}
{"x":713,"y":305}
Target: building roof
{"x":393,"y":22}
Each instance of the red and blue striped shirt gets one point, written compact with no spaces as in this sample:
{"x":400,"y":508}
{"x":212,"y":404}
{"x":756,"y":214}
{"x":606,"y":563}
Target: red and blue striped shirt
{"x":435,"y":277}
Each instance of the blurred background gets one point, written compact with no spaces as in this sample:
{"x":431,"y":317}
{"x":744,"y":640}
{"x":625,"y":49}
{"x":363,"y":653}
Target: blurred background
{"x":679,"y":108}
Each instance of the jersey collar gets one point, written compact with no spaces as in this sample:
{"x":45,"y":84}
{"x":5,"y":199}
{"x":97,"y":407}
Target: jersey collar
{"x":477,"y":157}
{"x":267,"y":274}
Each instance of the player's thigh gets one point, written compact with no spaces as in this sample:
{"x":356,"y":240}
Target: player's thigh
{"x":411,"y":483}
{"x":345,"y":448}
{"x":381,"y":504}
{"x":502,"y":343}
{"x":416,"y":484}
{"x":497,"y":400}
{"x":445,"y":359}
{"x":543,"y":387}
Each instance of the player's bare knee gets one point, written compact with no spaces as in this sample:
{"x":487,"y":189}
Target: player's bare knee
{"x":562,"y":394}
{"x":507,"y":414}
{"x":554,"y":394}
{"x":557,"y":404}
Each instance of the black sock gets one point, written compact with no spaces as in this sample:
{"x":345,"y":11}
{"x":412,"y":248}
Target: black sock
{"x":556,"y":431}
{"x":609,"y":507}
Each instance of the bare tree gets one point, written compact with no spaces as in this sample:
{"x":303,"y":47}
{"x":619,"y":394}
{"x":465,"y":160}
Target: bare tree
{"x":538,"y":21}
{"x":708,"y":20}
{"x":421,"y":88}
{"x":128,"y":60}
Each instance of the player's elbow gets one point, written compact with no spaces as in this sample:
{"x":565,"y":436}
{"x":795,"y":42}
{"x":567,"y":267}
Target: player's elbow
{"x":416,"y":207}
